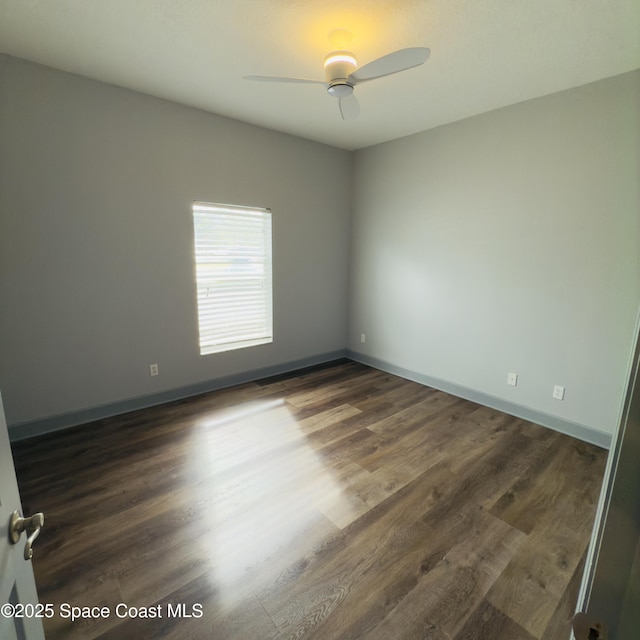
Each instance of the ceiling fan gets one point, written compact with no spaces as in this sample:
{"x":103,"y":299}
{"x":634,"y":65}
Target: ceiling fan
{"x":342,"y":74}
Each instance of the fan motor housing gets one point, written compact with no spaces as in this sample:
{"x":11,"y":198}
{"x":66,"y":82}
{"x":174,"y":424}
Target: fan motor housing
{"x":338,"y":66}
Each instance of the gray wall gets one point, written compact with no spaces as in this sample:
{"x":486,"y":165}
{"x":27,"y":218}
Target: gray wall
{"x":96,"y":264}
{"x":507,"y":242}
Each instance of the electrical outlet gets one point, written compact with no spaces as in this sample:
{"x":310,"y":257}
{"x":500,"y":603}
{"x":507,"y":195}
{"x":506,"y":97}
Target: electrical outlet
{"x":558,"y":392}
{"x":363,"y":338}
{"x":512,"y":379}
{"x":153,"y":369}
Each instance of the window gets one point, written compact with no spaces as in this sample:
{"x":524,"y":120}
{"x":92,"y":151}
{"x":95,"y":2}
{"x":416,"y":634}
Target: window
{"x":233,"y":276}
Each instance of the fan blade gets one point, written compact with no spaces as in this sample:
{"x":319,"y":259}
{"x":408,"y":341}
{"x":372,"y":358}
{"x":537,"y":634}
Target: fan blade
{"x":391,"y":63}
{"x":278,"y":79}
{"x":349,"y":107}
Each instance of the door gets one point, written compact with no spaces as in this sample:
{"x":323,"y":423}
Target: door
{"x":610,"y":593}
{"x":17,"y":585}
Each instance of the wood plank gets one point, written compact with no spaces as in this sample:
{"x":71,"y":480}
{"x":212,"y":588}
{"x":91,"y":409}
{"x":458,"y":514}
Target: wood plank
{"x":488,"y":622}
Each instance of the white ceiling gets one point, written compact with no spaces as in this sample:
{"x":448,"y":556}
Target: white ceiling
{"x":485,"y":54}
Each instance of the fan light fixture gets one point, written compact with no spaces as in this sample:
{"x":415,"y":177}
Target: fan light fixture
{"x":338,"y":66}
{"x":340,"y":56}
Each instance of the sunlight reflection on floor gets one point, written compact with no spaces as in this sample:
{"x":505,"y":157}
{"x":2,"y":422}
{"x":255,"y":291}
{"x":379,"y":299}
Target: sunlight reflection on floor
{"x":264,"y":483}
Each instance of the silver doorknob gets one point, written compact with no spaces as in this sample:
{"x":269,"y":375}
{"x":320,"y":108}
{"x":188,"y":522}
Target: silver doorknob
{"x":32,"y":525}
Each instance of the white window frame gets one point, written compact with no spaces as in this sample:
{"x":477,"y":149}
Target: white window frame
{"x":233,"y":269}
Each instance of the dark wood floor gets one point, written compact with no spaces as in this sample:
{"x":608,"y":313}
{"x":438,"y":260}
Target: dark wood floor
{"x":339,"y":503}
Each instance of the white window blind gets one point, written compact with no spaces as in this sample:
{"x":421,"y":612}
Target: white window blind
{"x":233,"y":275}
